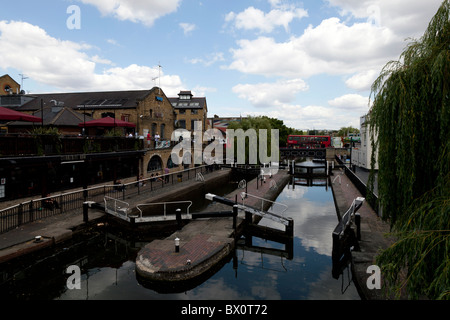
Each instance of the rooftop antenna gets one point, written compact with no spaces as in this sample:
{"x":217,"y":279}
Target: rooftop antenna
{"x":159,"y":76}
{"x":23,"y":78}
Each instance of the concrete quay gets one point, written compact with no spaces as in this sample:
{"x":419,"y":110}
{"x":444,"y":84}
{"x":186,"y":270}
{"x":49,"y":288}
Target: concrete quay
{"x":204,"y":243}
{"x":373,"y":235}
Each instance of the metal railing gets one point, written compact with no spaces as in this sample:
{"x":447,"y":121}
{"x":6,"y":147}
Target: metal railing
{"x":371,"y":197}
{"x":36,"y":209}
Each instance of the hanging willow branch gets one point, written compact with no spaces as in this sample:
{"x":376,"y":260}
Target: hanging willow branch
{"x":410,"y":121}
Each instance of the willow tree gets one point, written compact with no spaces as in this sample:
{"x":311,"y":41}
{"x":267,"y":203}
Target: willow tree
{"x":410,"y":121}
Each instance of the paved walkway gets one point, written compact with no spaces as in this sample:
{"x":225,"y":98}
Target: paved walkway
{"x":373,"y":231}
{"x":58,"y":228}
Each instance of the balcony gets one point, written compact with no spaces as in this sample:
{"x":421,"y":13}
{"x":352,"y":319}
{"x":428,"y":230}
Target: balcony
{"x":39,"y":145}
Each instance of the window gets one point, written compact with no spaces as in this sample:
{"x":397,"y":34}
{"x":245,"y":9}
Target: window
{"x":182,"y":124}
{"x":163,"y":126}
{"x":125,"y":117}
{"x":194,"y":111}
{"x":182,"y":111}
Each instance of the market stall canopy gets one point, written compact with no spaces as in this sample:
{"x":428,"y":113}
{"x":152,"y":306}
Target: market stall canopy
{"x":9,"y":114}
{"x":106,"y":122}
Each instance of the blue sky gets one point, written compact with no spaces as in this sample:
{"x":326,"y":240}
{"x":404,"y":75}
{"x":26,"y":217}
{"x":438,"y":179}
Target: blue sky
{"x":308,"y":63}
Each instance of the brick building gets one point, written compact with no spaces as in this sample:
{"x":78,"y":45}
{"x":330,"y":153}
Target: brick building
{"x":8,"y":86}
{"x":189,"y":109}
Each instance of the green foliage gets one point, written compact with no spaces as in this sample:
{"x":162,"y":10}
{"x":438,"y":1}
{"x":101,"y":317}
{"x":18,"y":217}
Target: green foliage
{"x":255,"y":123}
{"x":410,"y":119}
{"x":46,"y":136}
{"x":344,"y":131}
{"x":116,"y":132}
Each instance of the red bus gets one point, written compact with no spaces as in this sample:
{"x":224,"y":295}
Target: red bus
{"x":308,"y":142}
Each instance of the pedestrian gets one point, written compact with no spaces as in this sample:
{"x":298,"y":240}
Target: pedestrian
{"x":149,"y":138}
{"x":166,"y":172}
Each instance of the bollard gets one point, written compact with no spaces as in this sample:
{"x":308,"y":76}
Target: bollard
{"x":178,"y":217}
{"x":177,"y":245}
{"x":290,"y":228}
{"x":358,"y":226}
{"x":85,"y":211}
{"x":235,"y":214}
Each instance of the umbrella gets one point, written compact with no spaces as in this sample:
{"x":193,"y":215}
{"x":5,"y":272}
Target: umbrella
{"x":9,"y":114}
{"x":106,"y":122}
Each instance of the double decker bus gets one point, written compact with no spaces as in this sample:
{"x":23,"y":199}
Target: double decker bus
{"x":308,"y":142}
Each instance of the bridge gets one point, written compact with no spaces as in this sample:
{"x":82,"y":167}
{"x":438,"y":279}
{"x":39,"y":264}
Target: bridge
{"x":307,"y":153}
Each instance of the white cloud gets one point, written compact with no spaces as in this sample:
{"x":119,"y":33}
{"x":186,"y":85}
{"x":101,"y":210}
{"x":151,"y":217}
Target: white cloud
{"x":310,"y":117}
{"x":270,"y":94}
{"x":187,"y":27}
{"x":406,"y":18}
{"x":209,"y":59}
{"x":253,"y":18}
{"x":332,"y":48}
{"x":139,"y":11}
{"x":353,"y":102}
{"x":66,"y":65}
{"x":363,"y":80}
{"x":113,"y":42}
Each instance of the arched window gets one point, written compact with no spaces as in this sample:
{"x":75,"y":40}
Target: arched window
{"x":154,"y":164}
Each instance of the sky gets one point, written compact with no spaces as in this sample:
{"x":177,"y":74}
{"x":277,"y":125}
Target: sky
{"x":309,"y":63}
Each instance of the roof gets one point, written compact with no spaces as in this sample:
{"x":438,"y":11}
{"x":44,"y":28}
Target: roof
{"x":191,"y":103}
{"x":57,"y":116}
{"x":88,"y":100}
{"x":7,"y":76}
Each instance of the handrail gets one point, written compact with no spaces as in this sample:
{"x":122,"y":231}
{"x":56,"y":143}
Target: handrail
{"x":164,"y":203}
{"x":115,"y":201}
{"x":245,"y":195}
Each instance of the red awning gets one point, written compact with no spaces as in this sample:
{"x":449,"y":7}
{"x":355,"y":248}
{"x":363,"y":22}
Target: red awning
{"x":106,"y":122}
{"x":9,"y":114}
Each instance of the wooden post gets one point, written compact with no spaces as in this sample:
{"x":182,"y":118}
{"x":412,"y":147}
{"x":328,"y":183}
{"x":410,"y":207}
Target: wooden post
{"x":178,"y":216}
{"x":31,"y":211}
{"x":20,"y":215}
{"x":290,"y":227}
{"x":358,"y":226}
{"x":85,"y":212}
{"x":235,"y":214}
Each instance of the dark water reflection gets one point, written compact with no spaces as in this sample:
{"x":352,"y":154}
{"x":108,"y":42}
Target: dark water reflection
{"x":108,"y":268}
{"x":252,"y":275}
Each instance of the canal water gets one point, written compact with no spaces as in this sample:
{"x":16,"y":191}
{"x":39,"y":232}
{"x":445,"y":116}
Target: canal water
{"x":265,"y":270}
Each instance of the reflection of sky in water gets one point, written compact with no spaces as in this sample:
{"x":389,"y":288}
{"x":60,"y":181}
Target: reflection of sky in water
{"x":259,"y":276}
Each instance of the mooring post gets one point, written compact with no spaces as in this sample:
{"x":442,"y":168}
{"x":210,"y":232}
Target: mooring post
{"x":358,"y":226}
{"x":248,"y":217}
{"x":85,"y":212}
{"x":178,"y":216}
{"x":177,"y":245}
{"x":290,"y":227}
{"x":235,"y":214}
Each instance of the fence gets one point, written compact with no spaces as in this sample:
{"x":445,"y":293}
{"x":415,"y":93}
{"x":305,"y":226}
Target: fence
{"x":370,"y":197}
{"x":33,"y":210}
{"x":14,"y":144}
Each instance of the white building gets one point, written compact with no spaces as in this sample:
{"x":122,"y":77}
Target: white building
{"x":362,"y":152}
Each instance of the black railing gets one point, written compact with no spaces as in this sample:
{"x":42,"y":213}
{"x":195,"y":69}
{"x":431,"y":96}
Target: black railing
{"x":36,"y":209}
{"x":31,"y":145}
{"x":370,"y":197}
